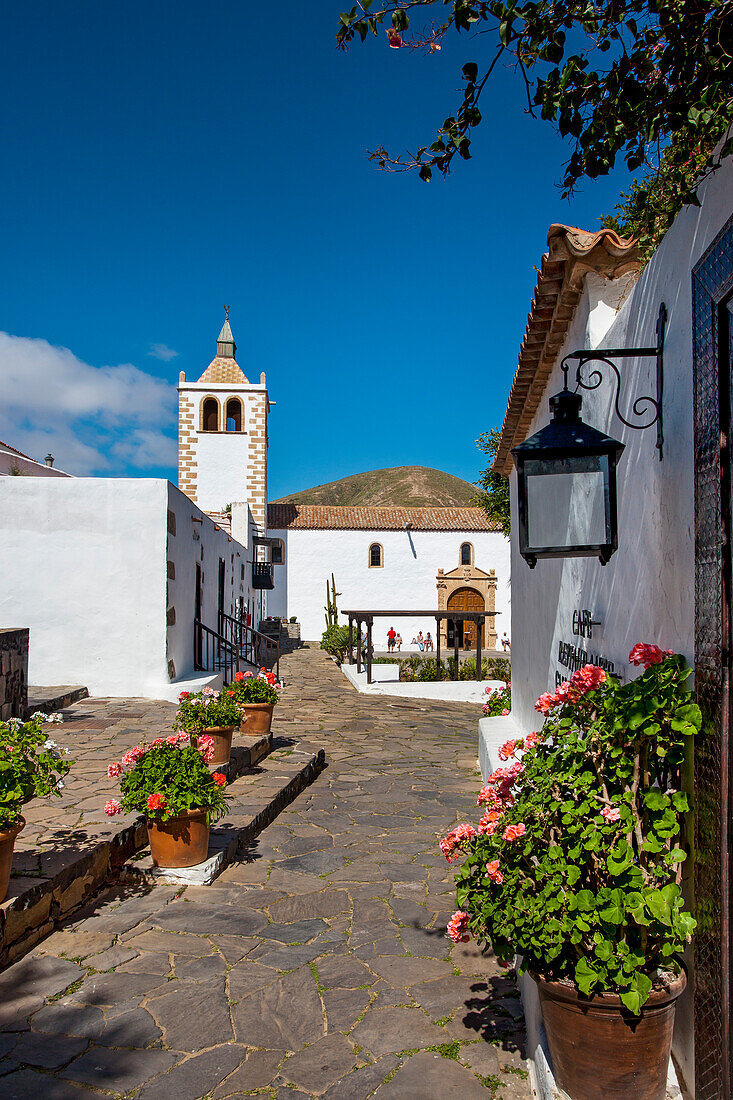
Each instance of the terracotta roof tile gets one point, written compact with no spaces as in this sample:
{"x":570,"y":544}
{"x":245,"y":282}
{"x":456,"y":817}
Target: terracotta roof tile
{"x":571,"y":254}
{"x":224,"y":369}
{"x":316,"y":517}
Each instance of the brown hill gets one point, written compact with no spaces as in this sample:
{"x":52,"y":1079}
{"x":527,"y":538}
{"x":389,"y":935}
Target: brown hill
{"x":405,"y":486}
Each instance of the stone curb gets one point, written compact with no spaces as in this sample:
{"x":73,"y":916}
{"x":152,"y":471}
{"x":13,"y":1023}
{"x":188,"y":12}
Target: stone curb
{"x":36,"y":906}
{"x":50,"y":703}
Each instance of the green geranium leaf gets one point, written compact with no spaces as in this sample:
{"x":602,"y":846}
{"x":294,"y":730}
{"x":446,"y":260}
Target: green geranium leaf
{"x":586,"y":976}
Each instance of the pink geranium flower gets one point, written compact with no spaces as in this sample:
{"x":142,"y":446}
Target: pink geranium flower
{"x":587,"y":678}
{"x":611,"y":814}
{"x":647,"y":655}
{"x":132,"y":756}
{"x":545,"y":703}
{"x":513,"y":832}
{"x":531,"y":740}
{"x":206,"y":748}
{"x":458,"y":927}
{"x":114,"y":771}
{"x":492,"y":870}
{"x":112,"y":807}
{"x":450,"y":844}
{"x":506,"y":752}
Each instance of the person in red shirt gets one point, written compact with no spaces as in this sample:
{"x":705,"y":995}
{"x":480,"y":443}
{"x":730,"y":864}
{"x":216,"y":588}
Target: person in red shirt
{"x":391,"y":635}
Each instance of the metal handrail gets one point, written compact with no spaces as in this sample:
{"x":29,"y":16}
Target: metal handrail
{"x":253,"y":645}
{"x":213,"y":652}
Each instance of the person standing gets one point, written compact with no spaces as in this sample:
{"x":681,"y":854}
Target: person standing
{"x":506,"y":644}
{"x":391,"y":635}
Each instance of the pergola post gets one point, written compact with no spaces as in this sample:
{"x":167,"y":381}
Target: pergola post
{"x":369,"y":651}
{"x":479,"y":628}
{"x":358,"y":646}
{"x":438,"y":666}
{"x":455,"y":647}
{"x":351,"y":640}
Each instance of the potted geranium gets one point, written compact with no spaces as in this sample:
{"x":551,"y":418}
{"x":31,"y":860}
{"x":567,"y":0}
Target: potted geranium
{"x":256,"y":697}
{"x":213,"y":713}
{"x":576,"y":866}
{"x":170,"y":783}
{"x":498,"y":701}
{"x":31,"y":765}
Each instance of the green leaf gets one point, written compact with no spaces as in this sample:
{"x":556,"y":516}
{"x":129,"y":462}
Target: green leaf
{"x":586,"y":976}
{"x":612,"y":909}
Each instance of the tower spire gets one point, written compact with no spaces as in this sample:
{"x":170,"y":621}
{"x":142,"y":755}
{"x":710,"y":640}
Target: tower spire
{"x":225,"y":346}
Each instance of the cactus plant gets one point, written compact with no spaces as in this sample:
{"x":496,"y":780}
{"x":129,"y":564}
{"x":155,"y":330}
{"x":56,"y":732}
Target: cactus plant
{"x":331,"y":609}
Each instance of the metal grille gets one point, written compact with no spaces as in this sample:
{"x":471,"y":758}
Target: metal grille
{"x":712,"y":279}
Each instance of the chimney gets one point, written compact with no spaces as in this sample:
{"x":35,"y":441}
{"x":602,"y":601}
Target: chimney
{"x":49,"y":460}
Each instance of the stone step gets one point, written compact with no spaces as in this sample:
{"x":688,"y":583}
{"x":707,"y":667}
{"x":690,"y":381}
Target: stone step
{"x":264,"y":775}
{"x":280,"y":780}
{"x":50,"y":699}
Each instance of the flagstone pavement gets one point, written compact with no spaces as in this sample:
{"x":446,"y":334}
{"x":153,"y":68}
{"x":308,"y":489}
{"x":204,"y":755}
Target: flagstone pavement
{"x":317,"y":966}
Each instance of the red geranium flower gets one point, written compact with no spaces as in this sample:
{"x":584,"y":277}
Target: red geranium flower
{"x":155,"y":801}
{"x":219,"y":779}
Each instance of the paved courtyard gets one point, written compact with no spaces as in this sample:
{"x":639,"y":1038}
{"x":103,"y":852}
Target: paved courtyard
{"x":315,"y":967}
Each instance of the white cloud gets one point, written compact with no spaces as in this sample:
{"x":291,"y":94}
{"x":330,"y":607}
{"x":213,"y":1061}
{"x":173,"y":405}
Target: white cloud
{"x":92,"y":419}
{"x":162,"y":351}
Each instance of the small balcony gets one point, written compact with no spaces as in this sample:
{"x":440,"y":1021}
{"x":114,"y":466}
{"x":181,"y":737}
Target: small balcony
{"x":262,"y":574}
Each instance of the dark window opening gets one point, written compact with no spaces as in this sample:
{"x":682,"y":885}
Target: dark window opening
{"x":211,"y":415}
{"x":375,"y":556}
{"x":466,"y":554}
{"x":277,"y":553}
{"x":234,"y":414}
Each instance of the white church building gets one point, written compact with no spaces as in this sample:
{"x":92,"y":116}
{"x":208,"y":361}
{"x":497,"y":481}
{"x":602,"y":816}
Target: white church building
{"x":382,"y":558}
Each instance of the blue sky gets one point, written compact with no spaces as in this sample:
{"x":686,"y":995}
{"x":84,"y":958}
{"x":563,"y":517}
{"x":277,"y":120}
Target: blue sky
{"x":164,"y":158}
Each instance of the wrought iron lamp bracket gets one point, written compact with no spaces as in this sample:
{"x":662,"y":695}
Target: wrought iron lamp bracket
{"x":643,"y":407}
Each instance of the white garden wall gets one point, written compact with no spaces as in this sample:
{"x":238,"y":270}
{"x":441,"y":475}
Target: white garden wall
{"x":407,"y":579}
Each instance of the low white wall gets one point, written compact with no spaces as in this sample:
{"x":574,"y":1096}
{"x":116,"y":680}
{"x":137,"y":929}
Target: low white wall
{"x":407,"y":579}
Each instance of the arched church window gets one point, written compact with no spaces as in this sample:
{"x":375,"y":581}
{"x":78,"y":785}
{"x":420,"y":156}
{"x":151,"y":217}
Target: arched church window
{"x":278,"y":556}
{"x":376,"y":556}
{"x":210,"y":415}
{"x":466,"y":553}
{"x":234,"y":415}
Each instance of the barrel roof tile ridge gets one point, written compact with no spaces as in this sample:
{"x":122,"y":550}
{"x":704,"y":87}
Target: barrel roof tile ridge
{"x":292,"y":515}
{"x":571,"y":254}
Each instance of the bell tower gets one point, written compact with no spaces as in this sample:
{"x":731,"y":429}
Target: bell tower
{"x":222,"y":434}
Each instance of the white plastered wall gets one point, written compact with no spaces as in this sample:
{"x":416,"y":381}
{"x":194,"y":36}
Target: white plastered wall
{"x":646,"y":592}
{"x":83,"y":563}
{"x":407,"y":579}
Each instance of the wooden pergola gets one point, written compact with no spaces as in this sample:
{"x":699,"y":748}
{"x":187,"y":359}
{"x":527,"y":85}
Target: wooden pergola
{"x":368,"y":617}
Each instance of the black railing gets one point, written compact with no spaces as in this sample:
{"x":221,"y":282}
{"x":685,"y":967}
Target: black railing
{"x":262,"y":574}
{"x":213,"y":652}
{"x":262,"y":650}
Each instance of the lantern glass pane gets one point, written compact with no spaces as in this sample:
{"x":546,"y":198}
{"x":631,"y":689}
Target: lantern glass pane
{"x":567,"y":501}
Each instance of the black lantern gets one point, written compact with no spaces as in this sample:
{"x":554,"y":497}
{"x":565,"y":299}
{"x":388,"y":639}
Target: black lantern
{"x":567,"y":487}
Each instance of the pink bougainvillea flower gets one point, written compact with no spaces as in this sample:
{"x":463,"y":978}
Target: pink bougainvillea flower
{"x":545,"y":703}
{"x":114,"y":771}
{"x":647,"y":655}
{"x":155,"y":801}
{"x":506,"y":752}
{"x":219,"y":779}
{"x":112,"y":807}
{"x":394,"y":38}
{"x":450,"y":844}
{"x":513,"y":832}
{"x":458,"y":927}
{"x":611,"y":814}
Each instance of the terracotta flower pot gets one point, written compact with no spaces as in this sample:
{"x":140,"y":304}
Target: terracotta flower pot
{"x":257,"y":718}
{"x":7,"y":843}
{"x":181,"y":841}
{"x":600,"y":1051}
{"x":222,"y":738}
